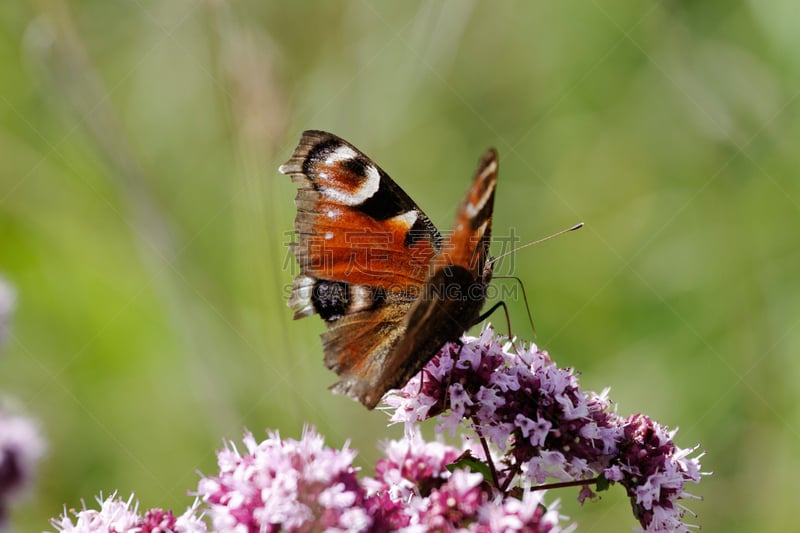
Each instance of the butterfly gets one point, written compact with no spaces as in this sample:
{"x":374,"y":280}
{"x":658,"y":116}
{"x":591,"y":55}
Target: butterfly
{"x":390,"y":287}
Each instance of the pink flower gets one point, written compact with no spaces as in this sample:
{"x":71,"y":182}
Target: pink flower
{"x":122,"y":516}
{"x":456,"y":502}
{"x":284,"y":484}
{"x":412,"y":466}
{"x":527,"y":514}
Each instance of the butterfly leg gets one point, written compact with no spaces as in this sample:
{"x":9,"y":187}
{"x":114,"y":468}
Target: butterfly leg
{"x":524,"y":298}
{"x":494,"y":308}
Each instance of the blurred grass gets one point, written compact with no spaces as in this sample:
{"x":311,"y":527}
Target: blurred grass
{"x":143,"y":222}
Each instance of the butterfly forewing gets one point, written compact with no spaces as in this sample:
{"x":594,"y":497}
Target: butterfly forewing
{"x":354,"y":224}
{"x":467,"y":245}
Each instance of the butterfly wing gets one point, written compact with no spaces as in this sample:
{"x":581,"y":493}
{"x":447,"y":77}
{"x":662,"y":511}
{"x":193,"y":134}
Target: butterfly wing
{"x":364,"y":250}
{"x":452,"y":297}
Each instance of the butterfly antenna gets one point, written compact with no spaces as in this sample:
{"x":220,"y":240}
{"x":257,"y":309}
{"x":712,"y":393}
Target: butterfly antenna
{"x":577,"y":226}
{"x":491,"y":311}
{"x":490,"y":264}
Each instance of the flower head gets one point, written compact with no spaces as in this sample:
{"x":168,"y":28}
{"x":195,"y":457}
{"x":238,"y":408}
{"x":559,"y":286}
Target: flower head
{"x":21,"y":447}
{"x":535,"y":412}
{"x":524,"y":514}
{"x":653,"y":471}
{"x":285,"y":484}
{"x":412,"y":466}
{"x":422,"y":486}
{"x":522,"y":402}
{"x":122,"y":516}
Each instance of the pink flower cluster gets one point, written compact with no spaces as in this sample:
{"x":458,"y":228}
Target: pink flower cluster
{"x":288,"y":485}
{"x":653,"y":471}
{"x":284,"y":484}
{"x":547,"y":428}
{"x":533,"y":424}
{"x":122,"y":516}
{"x":520,"y":402}
{"x":419,"y":488}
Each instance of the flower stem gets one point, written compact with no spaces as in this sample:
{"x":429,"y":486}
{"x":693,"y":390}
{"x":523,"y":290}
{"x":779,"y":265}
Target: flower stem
{"x":561,"y":485}
{"x":510,"y":478}
{"x":486,"y":452}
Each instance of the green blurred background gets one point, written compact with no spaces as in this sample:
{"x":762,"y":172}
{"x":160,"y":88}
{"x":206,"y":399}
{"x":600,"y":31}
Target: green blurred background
{"x":143,"y":221}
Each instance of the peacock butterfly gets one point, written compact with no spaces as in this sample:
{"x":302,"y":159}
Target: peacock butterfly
{"x":390,"y":287}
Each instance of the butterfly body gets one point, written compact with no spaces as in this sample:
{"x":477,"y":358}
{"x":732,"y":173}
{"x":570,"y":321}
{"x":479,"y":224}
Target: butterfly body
{"x":391,"y":288}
